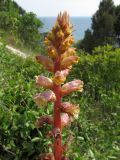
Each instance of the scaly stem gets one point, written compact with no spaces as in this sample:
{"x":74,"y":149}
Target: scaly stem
{"x":57,"y":118}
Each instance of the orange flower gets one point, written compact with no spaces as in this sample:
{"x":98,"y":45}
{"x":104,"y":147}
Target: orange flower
{"x":46,"y":62}
{"x":68,"y":53}
{"x":60,"y":76}
{"x":71,"y":109}
{"x":69,"y":61}
{"x":76,"y":85}
{"x":42,"y":81}
{"x":44,"y":98}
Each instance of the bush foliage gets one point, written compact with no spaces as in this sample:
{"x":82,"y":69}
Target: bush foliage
{"x":96,"y":132}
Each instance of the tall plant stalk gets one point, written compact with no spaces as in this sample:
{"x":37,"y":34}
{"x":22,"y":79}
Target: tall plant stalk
{"x":60,"y":59}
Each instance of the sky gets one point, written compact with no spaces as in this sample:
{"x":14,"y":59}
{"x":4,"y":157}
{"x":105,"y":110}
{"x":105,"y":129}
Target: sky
{"x":47,"y":8}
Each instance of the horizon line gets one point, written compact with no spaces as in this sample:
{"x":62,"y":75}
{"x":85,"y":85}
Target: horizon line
{"x":70,"y":16}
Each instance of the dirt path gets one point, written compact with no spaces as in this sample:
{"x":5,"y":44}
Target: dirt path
{"x":16,"y":51}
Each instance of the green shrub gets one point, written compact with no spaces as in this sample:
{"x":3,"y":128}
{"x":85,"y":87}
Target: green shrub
{"x":97,"y":130}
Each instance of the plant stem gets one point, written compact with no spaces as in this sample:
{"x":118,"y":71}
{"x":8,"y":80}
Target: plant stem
{"x":57,"y":118}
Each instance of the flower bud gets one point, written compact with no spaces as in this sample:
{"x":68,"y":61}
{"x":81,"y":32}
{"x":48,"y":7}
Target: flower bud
{"x":44,"y":98}
{"x":60,"y":34}
{"x":76,"y":85}
{"x":46,"y":62}
{"x":60,"y":76}
{"x":42,"y":81}
{"x":71,"y":109}
{"x":52,"y":52}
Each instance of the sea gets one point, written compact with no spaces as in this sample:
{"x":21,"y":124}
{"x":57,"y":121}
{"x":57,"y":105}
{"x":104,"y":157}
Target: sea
{"x":80,"y":25}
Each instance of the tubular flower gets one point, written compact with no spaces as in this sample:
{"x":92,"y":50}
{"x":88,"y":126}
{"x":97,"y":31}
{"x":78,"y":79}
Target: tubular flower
{"x":60,"y":76}
{"x":46,"y":62}
{"x":67,"y":43}
{"x":71,"y":109}
{"x":44,"y":98}
{"x":76,"y":85}
{"x":42,"y":81}
{"x":65,"y":120}
{"x":44,"y":120}
{"x":68,"y":53}
{"x":69,"y":61}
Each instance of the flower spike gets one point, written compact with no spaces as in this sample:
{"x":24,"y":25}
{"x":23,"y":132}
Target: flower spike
{"x":61,"y":57}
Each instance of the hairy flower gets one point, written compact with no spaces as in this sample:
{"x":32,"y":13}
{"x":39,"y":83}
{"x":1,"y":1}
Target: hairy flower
{"x":69,"y":61}
{"x":69,"y":52}
{"x":44,"y":98}
{"x":46,"y":62}
{"x":65,"y":120}
{"x":71,"y":109}
{"x":60,"y":76}
{"x":44,"y":120}
{"x":76,"y":85}
{"x":42,"y":81}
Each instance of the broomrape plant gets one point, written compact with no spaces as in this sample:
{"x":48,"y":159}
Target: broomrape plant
{"x":61,"y":57}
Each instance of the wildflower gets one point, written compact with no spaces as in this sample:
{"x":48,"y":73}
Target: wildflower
{"x":71,"y":109}
{"x":46,"y":62}
{"x":44,"y":98}
{"x":44,"y":120}
{"x":65,"y":120}
{"x":76,"y":85}
{"x":69,"y":52}
{"x":69,"y":61}
{"x":42,"y":81}
{"x":60,"y":76}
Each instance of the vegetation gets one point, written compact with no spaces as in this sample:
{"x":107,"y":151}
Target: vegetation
{"x":96,"y":133}
{"x":97,"y":129}
{"x":105,"y":27}
{"x":17,"y":27}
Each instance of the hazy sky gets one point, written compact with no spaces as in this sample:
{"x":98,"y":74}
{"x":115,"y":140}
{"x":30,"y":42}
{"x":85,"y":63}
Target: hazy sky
{"x":53,"y":7}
